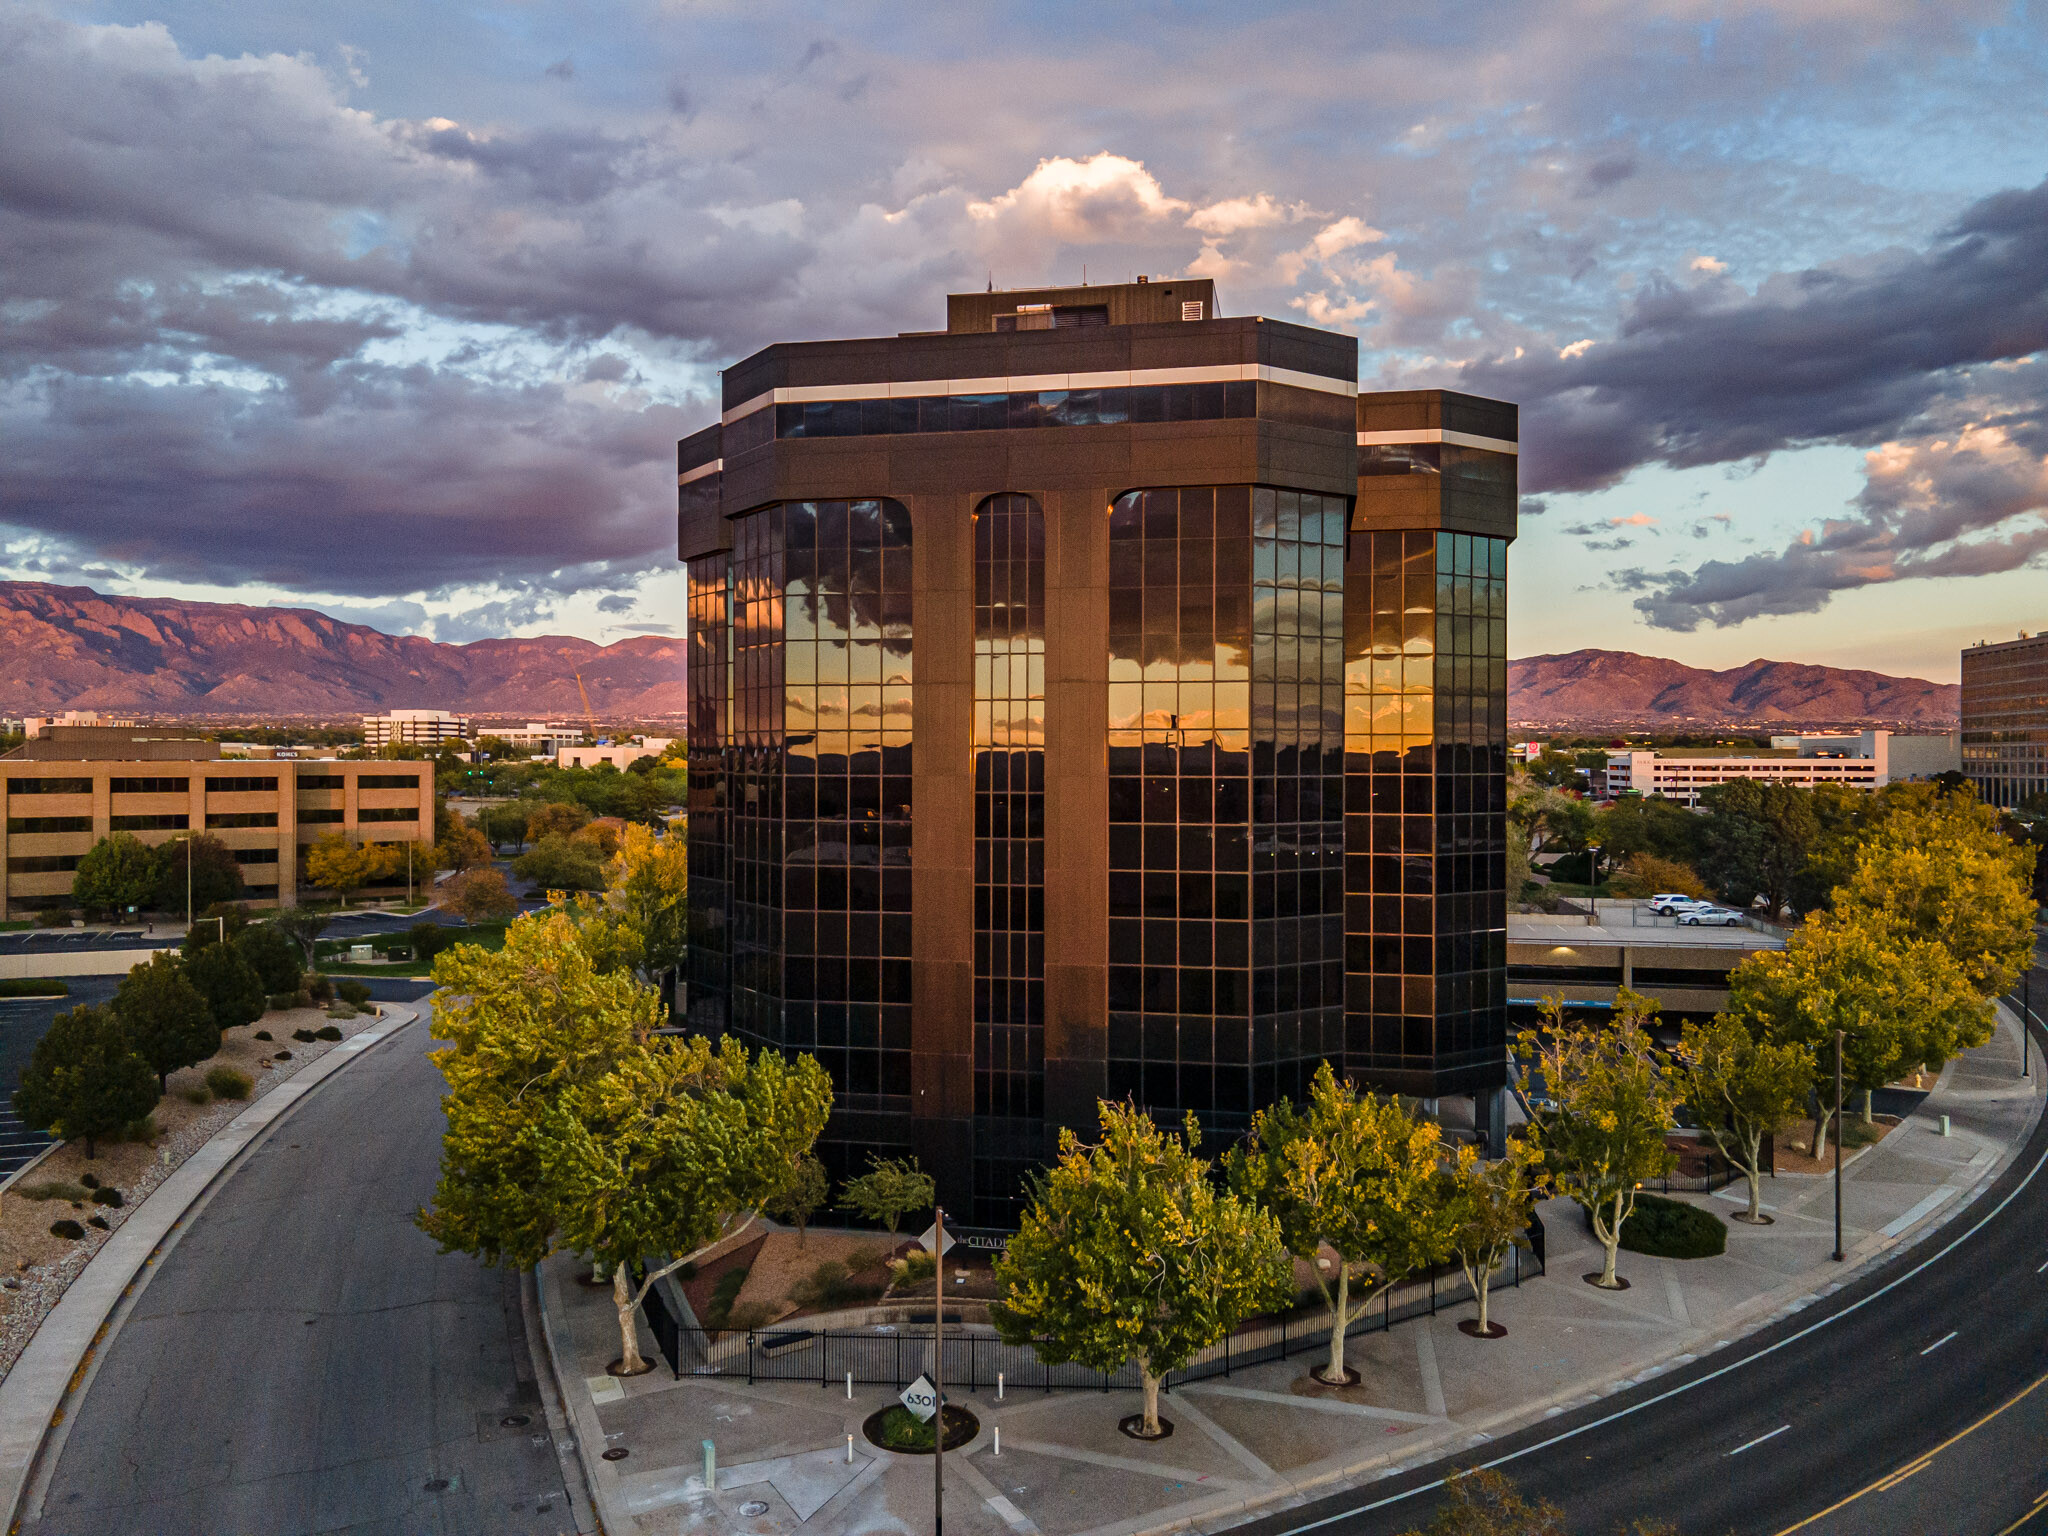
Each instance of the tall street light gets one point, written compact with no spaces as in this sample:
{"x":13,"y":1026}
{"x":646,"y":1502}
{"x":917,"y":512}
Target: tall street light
{"x":1838,"y":1146}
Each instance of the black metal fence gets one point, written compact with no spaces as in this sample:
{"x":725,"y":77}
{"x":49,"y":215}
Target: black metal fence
{"x":894,"y":1355}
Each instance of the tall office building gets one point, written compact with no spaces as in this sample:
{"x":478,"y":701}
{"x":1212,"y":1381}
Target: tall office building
{"x":2005,"y":719}
{"x":1095,"y":698}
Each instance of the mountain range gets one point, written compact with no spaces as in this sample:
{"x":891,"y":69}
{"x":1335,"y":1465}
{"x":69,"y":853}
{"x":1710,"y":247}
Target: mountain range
{"x":1601,"y":689}
{"x":74,"y":648}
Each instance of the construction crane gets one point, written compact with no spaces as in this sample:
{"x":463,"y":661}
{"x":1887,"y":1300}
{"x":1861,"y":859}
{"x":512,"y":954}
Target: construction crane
{"x":589,"y":718}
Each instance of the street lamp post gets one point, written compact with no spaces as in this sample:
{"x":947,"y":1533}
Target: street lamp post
{"x":2026,"y":1016}
{"x":1838,"y":1145}
{"x":939,"y":1371}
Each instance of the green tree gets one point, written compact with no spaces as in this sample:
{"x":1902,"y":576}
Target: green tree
{"x":1487,"y":1205}
{"x":1740,"y":1087}
{"x":272,"y":955}
{"x":559,"y":862}
{"x":1600,"y":1120}
{"x":891,"y":1189}
{"x":303,"y":927}
{"x":1900,"y":1002}
{"x":170,"y":1024}
{"x":1129,"y":1251}
{"x":221,"y":920}
{"x":503,"y":825}
{"x":462,"y":846}
{"x":1355,"y":1173}
{"x":1754,"y":839}
{"x":641,"y":921}
{"x":803,"y":1197}
{"x":556,"y":816}
{"x":116,"y":873}
{"x":1938,"y":868}
{"x":1647,"y":824}
{"x":476,"y":895}
{"x":84,"y":1079}
{"x":214,"y":876}
{"x":1646,"y":874}
{"x":672,"y":1150}
{"x":524,"y":1024}
{"x":230,"y":985}
{"x":343,"y":865}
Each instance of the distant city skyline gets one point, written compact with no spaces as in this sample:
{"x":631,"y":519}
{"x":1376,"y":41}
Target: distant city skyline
{"x":397,"y":312}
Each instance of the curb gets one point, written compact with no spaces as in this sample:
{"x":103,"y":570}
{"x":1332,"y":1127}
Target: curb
{"x":36,"y":1394}
{"x":581,"y":1414}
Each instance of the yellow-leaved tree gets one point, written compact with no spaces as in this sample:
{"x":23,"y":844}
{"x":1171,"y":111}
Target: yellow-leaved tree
{"x":640,"y":922}
{"x":343,"y":865}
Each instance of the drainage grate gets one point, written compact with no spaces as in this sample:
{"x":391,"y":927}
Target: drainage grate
{"x":516,"y":1420}
{"x":754,"y":1508}
{"x":617,"y":1453}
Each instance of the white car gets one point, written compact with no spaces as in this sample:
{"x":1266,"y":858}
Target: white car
{"x":1672,"y":901}
{"x":1709,"y":916}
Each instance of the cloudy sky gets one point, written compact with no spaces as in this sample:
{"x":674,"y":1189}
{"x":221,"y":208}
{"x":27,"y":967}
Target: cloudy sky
{"x":398,"y":308}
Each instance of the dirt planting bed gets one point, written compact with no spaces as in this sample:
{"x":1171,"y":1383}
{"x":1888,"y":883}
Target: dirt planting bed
{"x":36,"y":1265}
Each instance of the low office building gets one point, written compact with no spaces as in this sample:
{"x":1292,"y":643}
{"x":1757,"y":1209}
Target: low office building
{"x":1097,"y":698}
{"x":1682,"y":969}
{"x":64,"y":791}
{"x":539,"y":738}
{"x":417,"y":727}
{"x":620,"y":754}
{"x":1869,"y":760}
{"x":2005,"y":719}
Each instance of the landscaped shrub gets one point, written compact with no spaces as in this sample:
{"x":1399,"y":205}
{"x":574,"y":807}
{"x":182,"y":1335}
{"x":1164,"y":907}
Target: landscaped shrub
{"x":196,"y":1093}
{"x":354,"y":993}
{"x":89,"y":1180}
{"x":318,"y":989}
{"x":282,"y":1056}
{"x":67,"y":1228}
{"x":830,"y":1286}
{"x":915,"y":1269}
{"x":227,"y":1083}
{"x":33,"y":986}
{"x":109,"y":1196}
{"x":1671,"y":1229}
{"x":327,"y":1032}
{"x":339,"y":1011}
{"x":279,"y":1002}
{"x":140,"y":1130}
{"x":55,"y":1189}
{"x":303,"y":1036}
{"x":97,"y":1221}
{"x":724,"y":1295}
{"x":264,"y":1034}
{"x":749,"y":1315}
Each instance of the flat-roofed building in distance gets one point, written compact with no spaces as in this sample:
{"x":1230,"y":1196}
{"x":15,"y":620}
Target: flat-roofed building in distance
{"x":1868,"y":760}
{"x":538,"y":738}
{"x":1097,"y":698}
{"x":417,"y":727}
{"x":2005,"y":719}
{"x":67,"y":789}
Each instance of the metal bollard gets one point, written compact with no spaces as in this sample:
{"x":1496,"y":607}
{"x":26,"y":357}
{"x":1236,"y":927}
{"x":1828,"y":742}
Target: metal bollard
{"x":849,"y":1386}
{"x":999,"y":1439}
{"x":849,"y":1450}
{"x":999,"y":1386}
{"x":710,"y":1466}
{"x":1944,"y":1125}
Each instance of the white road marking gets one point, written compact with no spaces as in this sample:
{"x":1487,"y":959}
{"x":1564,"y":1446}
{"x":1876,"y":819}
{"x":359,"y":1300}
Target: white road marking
{"x":1760,"y":1439}
{"x":1930,"y":1349}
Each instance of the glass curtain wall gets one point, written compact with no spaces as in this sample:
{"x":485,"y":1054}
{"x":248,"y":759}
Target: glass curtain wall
{"x":1425,"y":825}
{"x":1009,"y":853}
{"x":710,"y":873}
{"x":1225,"y":682}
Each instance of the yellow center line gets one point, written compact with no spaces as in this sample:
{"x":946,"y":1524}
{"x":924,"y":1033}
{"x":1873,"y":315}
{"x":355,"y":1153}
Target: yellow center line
{"x":1900,"y":1474}
{"x":2039,"y":1504}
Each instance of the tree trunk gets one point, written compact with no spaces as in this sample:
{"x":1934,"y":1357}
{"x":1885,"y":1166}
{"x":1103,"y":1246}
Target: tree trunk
{"x":1334,"y":1372}
{"x":630,"y":1361}
{"x":1482,"y":1287}
{"x":1866,"y":1106}
{"x":1821,"y":1117}
{"x":1756,"y":1193}
{"x":1610,"y":1245}
{"x":1149,"y":1385}
{"x":89,"y":1152}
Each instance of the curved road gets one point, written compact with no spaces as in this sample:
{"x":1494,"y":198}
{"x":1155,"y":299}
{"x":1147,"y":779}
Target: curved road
{"x":1914,"y":1400}
{"x":303,"y":1360}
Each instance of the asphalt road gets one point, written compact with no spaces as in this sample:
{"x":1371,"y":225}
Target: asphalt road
{"x":304,"y":1361}
{"x":1901,"y":1404}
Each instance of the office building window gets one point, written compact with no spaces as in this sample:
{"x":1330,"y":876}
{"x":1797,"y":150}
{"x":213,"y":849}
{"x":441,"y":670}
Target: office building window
{"x":166,"y":823}
{"x":321,"y":817}
{"x":1225,"y":685}
{"x":313,"y":781}
{"x":49,"y":786}
{"x":1425,"y":825}
{"x":32,"y":824}
{"x":255,"y":855}
{"x":149,"y":786}
{"x":51,"y":864}
{"x":388,"y":781}
{"x":1009,"y":853}
{"x":379,"y":813}
{"x":249,"y":786}
{"x":227,"y":819}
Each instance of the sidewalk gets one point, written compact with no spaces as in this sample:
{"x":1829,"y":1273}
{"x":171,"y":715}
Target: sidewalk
{"x":1264,"y":1437}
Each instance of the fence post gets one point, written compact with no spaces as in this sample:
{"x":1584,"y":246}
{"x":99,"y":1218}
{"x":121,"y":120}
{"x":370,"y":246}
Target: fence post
{"x":824,"y":1349}
{"x":1432,"y":1290}
{"x":1387,"y":1310}
{"x":750,"y":1357}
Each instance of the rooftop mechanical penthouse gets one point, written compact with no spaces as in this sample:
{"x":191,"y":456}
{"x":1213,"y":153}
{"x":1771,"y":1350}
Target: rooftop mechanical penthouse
{"x":1097,"y":698}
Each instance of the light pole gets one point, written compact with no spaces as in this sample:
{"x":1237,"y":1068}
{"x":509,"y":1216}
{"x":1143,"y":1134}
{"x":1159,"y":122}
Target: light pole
{"x":2026,"y":1014}
{"x":1838,"y":1145}
{"x":939,"y":1371}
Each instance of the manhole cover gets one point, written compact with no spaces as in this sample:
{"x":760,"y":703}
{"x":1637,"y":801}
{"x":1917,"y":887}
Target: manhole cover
{"x":753,"y":1508}
{"x":438,"y":1485}
{"x":616,"y":1453}
{"x":515,"y":1420}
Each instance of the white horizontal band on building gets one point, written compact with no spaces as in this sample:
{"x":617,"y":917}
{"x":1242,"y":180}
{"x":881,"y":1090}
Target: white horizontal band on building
{"x":715,"y":466}
{"x":1437,"y":435}
{"x":1033,"y":383}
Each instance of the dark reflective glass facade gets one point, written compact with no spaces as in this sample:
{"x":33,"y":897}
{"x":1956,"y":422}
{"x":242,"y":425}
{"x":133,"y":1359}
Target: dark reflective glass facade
{"x":1225,"y":689}
{"x":1425,"y":833}
{"x":1009,"y":853}
{"x":1229,"y":400}
{"x":817,"y":785}
{"x":709,"y":684}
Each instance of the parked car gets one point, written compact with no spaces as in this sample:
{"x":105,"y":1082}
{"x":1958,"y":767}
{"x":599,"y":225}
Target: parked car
{"x":1709,"y":917}
{"x":1672,"y":901}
